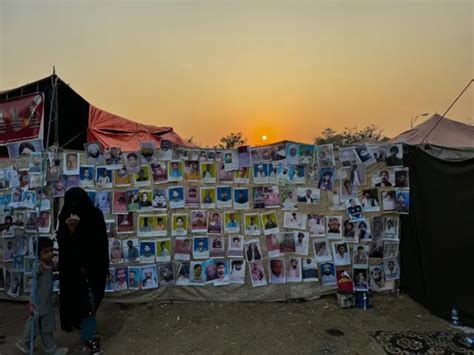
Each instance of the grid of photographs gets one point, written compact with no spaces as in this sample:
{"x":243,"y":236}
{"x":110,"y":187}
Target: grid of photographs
{"x":287,"y":213}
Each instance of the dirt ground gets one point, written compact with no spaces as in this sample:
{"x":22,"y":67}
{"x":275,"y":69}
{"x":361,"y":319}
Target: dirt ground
{"x":240,"y":328}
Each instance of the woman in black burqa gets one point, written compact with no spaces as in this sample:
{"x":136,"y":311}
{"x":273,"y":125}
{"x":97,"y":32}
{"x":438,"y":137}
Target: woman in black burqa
{"x":83,"y":265}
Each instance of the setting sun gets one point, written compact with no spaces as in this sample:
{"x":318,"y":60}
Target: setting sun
{"x":264,"y":137}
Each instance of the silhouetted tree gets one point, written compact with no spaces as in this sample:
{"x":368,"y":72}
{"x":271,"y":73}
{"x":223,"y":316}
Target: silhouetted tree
{"x":232,"y":140}
{"x":369,"y":134}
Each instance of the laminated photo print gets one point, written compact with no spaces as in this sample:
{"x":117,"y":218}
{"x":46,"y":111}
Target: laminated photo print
{"x":301,"y":243}
{"x":103,"y":177}
{"x":271,"y":196}
{"x":28,"y":199}
{"x":243,"y":156}
{"x":121,"y":177}
{"x":257,"y":154}
{"x":163,"y":250}
{"x":283,"y":174}
{"x":224,"y":176}
{"x":402,"y":177}
{"x":354,"y":210}
{"x":12,"y":176}
{"x":9,"y":249}
{"x":179,"y":224}
{"x":328,"y":274}
{"x":121,"y":279}
{"x":308,"y":195}
{"x":217,"y":249}
{"x":131,"y":252}
{"x":379,"y":152}
{"x":287,"y":242}
{"x":384,"y":178}
{"x":224,"y":197}
{"x":18,"y":263}
{"x":310,"y":270}
{"x":214,"y":223}
{"x":132,"y":162}
{"x":199,"y":221}
{"x":235,"y":246}
{"x":116,"y":251}
{"x":159,"y":172}
{"x":307,"y":153}
{"x":120,"y":202}
{"x":317,"y":225}
{"x":325,"y":155}
{"x":390,"y":231}
{"x":37,"y":180}
{"x":44,"y":222}
{"x":35,"y":163}
{"x":86,"y":175}
{"x":289,"y":197}
{"x":292,"y":153}
{"x":296,"y":174}
{"x":149,"y":278}
{"x":71,"y":163}
{"x":142,"y":177}
{"x":242,"y":175}
{"x":364,"y":233}
{"x":192,"y":197}
{"x":197,"y":275}
{"x":183,"y":153}
{"x":165,"y":150}
{"x":132,"y":199}
{"x":125,"y":223}
{"x":344,"y":281}
{"x":183,"y":274}
{"x":321,"y":249}
{"x":59,"y":187}
{"x":28,"y":283}
{"x":260,"y":173}
{"x":252,"y":224}
{"x":161,"y":224}
{"x":176,"y":197}
{"x":390,"y":249}
{"x":147,"y":251}
{"x":370,"y":200}
{"x":257,"y":273}
{"x":208,"y":172}
{"x":341,"y":254}
{"x":146,"y":227}
{"x":31,"y":222}
{"x":25,"y":178}
{"x":16,"y":150}
{"x":376,"y":277}
{"x":349,"y":230}
{"x":16,"y":286}
{"x":277,"y":269}
{"x":159,"y":201}
{"x":395,"y":155}
{"x":208,"y":197}
{"x":258,"y":197}
{"x":113,"y":158}
{"x":15,"y":201}
{"x":361,"y":283}
{"x":273,"y":173}
{"x":145,"y":200}
{"x":237,"y":272}
{"x":19,"y":220}
{"x":388,"y":200}
{"x":166,"y":274}
{"x":210,"y":271}
{"x":347,"y":157}
{"x":277,"y":152}
{"x":182,"y":248}
{"x":252,"y":250}
{"x":269,"y":222}
{"x":333,"y":228}
{"x":241,"y":198}
{"x":326,"y":179}
{"x":94,"y":152}
{"x":357,"y":175}
{"x":391,"y":268}
{"x":175,"y":170}
{"x":230,"y":160}
{"x":222,"y":273}
{"x":272,"y":243}
{"x":211,"y":155}
{"x":231,"y":222}
{"x":402,"y":201}
{"x":200,"y":247}
{"x":43,"y":199}
{"x":134,"y":276}
{"x":364,"y":154}
{"x":295,"y":220}
{"x":191,"y":170}
{"x":147,"y":151}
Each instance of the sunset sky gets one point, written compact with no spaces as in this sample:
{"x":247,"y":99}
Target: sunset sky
{"x":285,"y":69}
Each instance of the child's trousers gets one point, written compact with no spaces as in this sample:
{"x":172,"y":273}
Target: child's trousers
{"x":42,"y":328}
